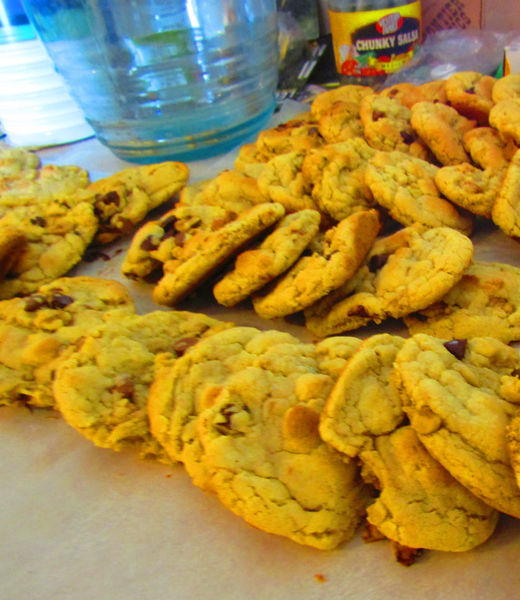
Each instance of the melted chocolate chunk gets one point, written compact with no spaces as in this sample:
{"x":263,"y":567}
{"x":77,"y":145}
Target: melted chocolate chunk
{"x":378,"y":114}
{"x":457,"y":348}
{"x":60,"y":300}
{"x":111,"y":198}
{"x":34,"y":303}
{"x":149,"y":244}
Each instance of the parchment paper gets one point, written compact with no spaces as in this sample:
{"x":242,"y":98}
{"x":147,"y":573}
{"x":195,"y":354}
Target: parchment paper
{"x":82,"y":523}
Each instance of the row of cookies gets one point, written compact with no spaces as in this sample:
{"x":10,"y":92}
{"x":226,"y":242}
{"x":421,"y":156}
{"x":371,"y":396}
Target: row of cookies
{"x":50,"y":215}
{"x":420,"y":436}
{"x":350,"y":278}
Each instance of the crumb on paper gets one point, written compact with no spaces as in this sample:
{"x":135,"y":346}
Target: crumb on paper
{"x":320,"y":578}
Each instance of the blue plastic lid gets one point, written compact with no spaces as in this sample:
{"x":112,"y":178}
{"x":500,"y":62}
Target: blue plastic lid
{"x":14,"y":24}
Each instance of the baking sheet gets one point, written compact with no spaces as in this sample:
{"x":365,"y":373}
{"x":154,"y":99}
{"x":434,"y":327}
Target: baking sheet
{"x":80,"y":522}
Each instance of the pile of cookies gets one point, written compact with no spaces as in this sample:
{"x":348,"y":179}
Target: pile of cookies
{"x":358,"y":211}
{"x":50,"y":215}
{"x":306,"y":220}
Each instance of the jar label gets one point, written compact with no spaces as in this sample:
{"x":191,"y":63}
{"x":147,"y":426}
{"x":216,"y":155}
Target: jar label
{"x":375,"y":42}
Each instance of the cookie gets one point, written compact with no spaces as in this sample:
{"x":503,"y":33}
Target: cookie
{"x":249,"y":160}
{"x":420,"y":505}
{"x":241,"y":410}
{"x":101,"y":389}
{"x":297,"y":135}
{"x":513,"y":444}
{"x":353,"y":305}
{"x":206,"y":253}
{"x":334,"y":352}
{"x":434,"y":91}
{"x":342,"y":251}
{"x":163,"y":239}
{"x":505,"y":117}
{"x":56,"y":237}
{"x":341,"y":122}
{"x":506,"y":208}
{"x":18,"y":163}
{"x":123,"y":200}
{"x":410,"y":268}
{"x":506,"y":88}
{"x":387,"y":126}
{"x":338,"y":178}
{"x":352,"y":94}
{"x":469,"y":187}
{"x":36,"y":330}
{"x":405,"y":186}
{"x":470,"y":94}
{"x":441,"y":128}
{"x":429,"y":263}
{"x":46,"y":184}
{"x":456,"y":397}
{"x":407,"y":93}
{"x":487,"y":148}
{"x":229,"y":190}
{"x":486,"y":299}
{"x":364,"y":404}
{"x":262,"y":263}
{"x":282,"y":181}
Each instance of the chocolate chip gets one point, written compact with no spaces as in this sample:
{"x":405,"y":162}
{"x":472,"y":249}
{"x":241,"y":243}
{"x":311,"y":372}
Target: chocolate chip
{"x":180,"y":238}
{"x":123,"y":226}
{"x":407,"y":137}
{"x":227,"y":412}
{"x":60,"y":300}
{"x":471,"y":90}
{"x":377,"y":262}
{"x":34,"y":303}
{"x":457,"y":348}
{"x":405,"y":555}
{"x":125,"y":388}
{"x":359,"y":311}
{"x":149,"y":244}
{"x":39,"y":221}
{"x":218,"y":223}
{"x":378,"y":114}
{"x":169,"y":222}
{"x":111,"y":198}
